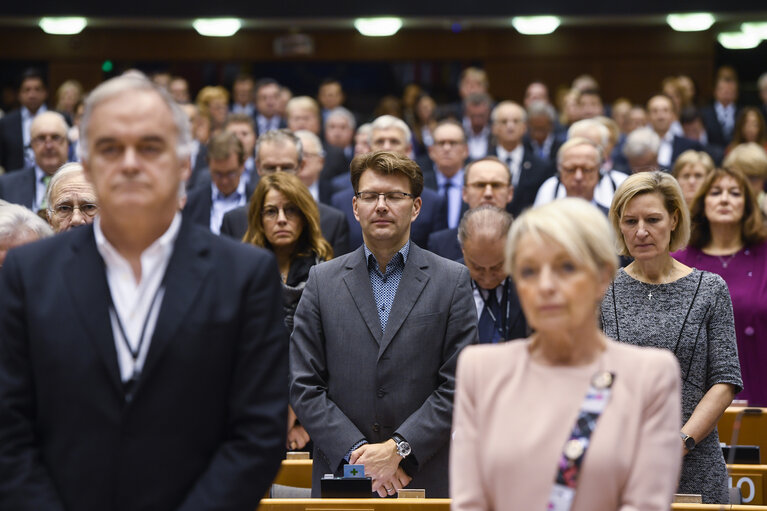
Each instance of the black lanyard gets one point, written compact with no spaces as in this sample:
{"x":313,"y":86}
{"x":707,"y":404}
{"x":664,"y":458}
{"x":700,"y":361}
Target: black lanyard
{"x":503,"y":329}
{"x":142,"y":336}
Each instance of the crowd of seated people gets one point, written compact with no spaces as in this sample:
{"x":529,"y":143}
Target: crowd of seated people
{"x":273,"y":170}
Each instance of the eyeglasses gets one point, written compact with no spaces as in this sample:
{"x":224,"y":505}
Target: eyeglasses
{"x":42,"y":139}
{"x":389,"y":197}
{"x":270,"y":169}
{"x":271,"y":213}
{"x":495,"y":185}
{"x":66,"y":210}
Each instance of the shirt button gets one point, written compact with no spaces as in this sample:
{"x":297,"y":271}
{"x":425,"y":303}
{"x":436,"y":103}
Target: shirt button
{"x":376,"y":427}
{"x":747,"y":252}
{"x":750,"y":274}
{"x":380,"y":392}
{"x":749,"y":330}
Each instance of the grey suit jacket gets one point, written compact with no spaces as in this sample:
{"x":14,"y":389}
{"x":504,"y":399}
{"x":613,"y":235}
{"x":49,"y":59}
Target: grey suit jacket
{"x":351,"y":381}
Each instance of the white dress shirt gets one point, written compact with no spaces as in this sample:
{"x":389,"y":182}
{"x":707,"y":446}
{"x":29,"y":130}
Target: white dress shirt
{"x":40,"y":188}
{"x":135,"y":303}
{"x":666,"y":150}
{"x":221,"y":205}
{"x":477,"y":142}
{"x":26,"y":122}
{"x":514,"y":160}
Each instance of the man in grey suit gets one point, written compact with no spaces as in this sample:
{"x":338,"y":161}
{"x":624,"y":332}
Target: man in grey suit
{"x":376,"y":338}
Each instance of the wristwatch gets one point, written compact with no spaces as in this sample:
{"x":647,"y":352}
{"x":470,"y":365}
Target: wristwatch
{"x":688,"y":441}
{"x":403,"y":448}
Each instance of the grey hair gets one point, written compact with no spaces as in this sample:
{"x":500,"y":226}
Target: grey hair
{"x":314,"y":140}
{"x":340,"y":111}
{"x":503,"y":104}
{"x":486,"y":219}
{"x":640,"y":142}
{"x":135,"y":81}
{"x":385,"y":122}
{"x":15,"y":219}
{"x":578,"y":128}
{"x":65,"y":171}
{"x":575,"y":142}
{"x":280,"y":137}
{"x":541,"y":108}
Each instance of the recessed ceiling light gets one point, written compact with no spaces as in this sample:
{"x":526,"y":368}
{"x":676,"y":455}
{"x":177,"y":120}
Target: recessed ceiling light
{"x":691,"y":21}
{"x":535,"y":25}
{"x":63,"y":26}
{"x":217,"y":27}
{"x":756,"y":28}
{"x":378,"y":27}
{"x":738,"y":40}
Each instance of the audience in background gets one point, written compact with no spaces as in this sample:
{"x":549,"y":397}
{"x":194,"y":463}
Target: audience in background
{"x":71,"y":199}
{"x":690,"y":169}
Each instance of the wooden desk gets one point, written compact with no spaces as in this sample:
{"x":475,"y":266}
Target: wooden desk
{"x":296,"y":473}
{"x":354,"y":505}
{"x":753,"y":430}
{"x":751,"y":480}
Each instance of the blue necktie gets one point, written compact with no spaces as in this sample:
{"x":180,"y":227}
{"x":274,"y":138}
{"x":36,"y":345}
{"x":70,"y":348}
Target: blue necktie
{"x":488,"y":333}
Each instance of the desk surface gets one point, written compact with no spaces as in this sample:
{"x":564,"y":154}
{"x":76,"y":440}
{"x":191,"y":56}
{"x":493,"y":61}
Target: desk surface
{"x":355,"y":505}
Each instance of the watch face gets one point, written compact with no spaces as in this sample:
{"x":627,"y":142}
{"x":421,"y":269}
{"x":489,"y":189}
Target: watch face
{"x":689,"y":442}
{"x":403,"y":449}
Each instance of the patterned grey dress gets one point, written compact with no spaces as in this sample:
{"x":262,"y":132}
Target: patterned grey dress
{"x":692,"y":317}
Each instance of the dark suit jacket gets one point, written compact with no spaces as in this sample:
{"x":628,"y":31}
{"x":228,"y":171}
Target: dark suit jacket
{"x":206,"y":426}
{"x":282,"y":124}
{"x":336,"y":163}
{"x":559,"y":139}
{"x":516,"y":323}
{"x":445,"y":243}
{"x":714,"y":130}
{"x":11,"y":141}
{"x":19,"y":187}
{"x":680,"y":145}
{"x":430,"y":219}
{"x":200,"y":170}
{"x":427,"y":169}
{"x":199,"y":203}
{"x":332,"y":224}
{"x":353,"y":381}
{"x":534,"y":172}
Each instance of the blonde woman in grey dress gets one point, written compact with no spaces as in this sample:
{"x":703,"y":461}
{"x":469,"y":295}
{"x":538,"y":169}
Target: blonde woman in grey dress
{"x":657,"y":301}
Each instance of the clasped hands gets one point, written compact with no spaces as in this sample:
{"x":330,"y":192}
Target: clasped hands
{"x":382,"y":465}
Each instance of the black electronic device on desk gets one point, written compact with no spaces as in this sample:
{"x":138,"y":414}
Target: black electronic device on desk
{"x":353,"y":485}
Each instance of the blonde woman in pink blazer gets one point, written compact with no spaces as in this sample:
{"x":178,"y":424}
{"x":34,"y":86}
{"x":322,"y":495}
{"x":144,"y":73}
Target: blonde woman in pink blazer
{"x":515,"y":442}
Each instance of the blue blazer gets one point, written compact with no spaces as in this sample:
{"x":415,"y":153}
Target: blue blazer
{"x":205,"y":428}
{"x":445,"y":243}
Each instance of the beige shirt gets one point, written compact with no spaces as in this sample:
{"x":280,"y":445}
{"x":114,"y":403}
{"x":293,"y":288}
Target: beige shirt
{"x":512,"y":417}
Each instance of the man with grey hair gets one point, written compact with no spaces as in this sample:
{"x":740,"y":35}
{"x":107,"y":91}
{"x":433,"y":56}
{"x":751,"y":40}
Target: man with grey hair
{"x":641,"y":150}
{"x":528,"y":172}
{"x":339,"y":131}
{"x":71,"y":198}
{"x":571,"y":184}
{"x":19,"y":226}
{"x":541,"y":138}
{"x":482,"y":234}
{"x":50,"y":146}
{"x":143,"y":360}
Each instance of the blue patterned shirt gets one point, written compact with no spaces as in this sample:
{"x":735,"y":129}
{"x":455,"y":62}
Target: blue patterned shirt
{"x":385,"y":284}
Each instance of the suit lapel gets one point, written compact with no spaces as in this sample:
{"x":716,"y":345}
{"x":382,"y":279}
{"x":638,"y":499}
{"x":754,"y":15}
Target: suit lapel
{"x":357,"y":280}
{"x":410,"y":287}
{"x":87,"y":283}
{"x":189,"y":265}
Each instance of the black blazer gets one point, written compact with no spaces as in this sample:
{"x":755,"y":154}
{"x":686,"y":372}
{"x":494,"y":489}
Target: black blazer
{"x":714,"y":130}
{"x":199,"y":203}
{"x":445,"y":243}
{"x":206,"y":426}
{"x":332,"y":224}
{"x":680,"y":145}
{"x":11,"y":141}
{"x":19,"y":187}
{"x":534,"y":172}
